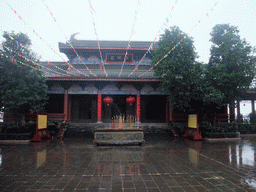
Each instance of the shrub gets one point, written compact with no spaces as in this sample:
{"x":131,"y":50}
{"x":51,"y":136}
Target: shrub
{"x":247,"y":128}
{"x":222,"y":135}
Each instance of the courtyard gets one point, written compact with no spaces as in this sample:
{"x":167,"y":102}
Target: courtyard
{"x":162,"y":164}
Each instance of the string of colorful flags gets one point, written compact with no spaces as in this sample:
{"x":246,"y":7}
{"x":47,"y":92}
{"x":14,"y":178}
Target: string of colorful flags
{"x":41,"y":66}
{"x":129,"y":42}
{"x":70,"y":66}
{"x":67,"y":39}
{"x":166,"y":55}
{"x":164,"y":25}
{"x":20,"y":44}
{"x":15,"y":60}
{"x":95,"y":32}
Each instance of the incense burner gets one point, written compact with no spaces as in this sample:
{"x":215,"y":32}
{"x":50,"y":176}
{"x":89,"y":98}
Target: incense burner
{"x":119,"y":136}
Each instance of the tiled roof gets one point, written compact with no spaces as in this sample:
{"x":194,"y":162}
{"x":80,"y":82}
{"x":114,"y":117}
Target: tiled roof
{"x":112,"y":70}
{"x":108,"y":44}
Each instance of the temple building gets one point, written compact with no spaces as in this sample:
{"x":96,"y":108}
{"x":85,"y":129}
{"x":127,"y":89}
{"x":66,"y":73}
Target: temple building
{"x":97,"y":84}
{"x":92,"y":75}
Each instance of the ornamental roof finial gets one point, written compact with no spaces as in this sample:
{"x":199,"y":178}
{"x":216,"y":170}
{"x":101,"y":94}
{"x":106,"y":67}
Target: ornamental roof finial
{"x":72,"y":37}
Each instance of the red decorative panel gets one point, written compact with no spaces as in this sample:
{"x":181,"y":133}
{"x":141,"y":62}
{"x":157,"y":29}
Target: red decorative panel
{"x":146,"y":89}
{"x":90,"y":87}
{"x":109,"y":88}
{"x":159,"y":89}
{"x":129,"y":88}
{"x":75,"y":88}
{"x":94,"y":59}
{"x":57,"y":87}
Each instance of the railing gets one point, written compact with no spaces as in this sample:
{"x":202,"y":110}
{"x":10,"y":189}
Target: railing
{"x":30,"y":117}
{"x":12,"y":118}
{"x":179,"y":118}
{"x":219,"y":118}
{"x":56,"y":116}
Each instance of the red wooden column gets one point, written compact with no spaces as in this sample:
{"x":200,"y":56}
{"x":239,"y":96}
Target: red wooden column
{"x":253,"y":110}
{"x":170,"y":112}
{"x":69,"y":108}
{"x":138,"y":108}
{"x":99,"y":109}
{"x":238,"y":112}
{"x":167,"y":111}
{"x":66,"y":105}
{"x":232,"y":112}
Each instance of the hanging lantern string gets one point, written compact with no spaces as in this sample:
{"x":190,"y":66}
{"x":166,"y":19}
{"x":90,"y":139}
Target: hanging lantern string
{"x":67,"y":39}
{"x":166,"y":55}
{"x":53,"y":71}
{"x":70,"y":66}
{"x":17,"y":61}
{"x":20,"y":44}
{"x":164,"y":25}
{"x":95,"y":32}
{"x":39,"y":57}
{"x":21,"y":56}
{"x":129,"y":42}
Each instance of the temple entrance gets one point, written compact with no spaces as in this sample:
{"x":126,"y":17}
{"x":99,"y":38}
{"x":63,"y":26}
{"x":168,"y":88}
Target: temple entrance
{"x":84,"y":108}
{"x":55,"y":103}
{"x":153,"y":108}
{"x":117,"y":107}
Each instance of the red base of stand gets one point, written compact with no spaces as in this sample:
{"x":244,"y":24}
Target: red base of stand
{"x":41,"y":134}
{"x":48,"y":136}
{"x":198,"y":136}
{"x":36,"y":138}
{"x":193,"y":133}
{"x":186,"y":134}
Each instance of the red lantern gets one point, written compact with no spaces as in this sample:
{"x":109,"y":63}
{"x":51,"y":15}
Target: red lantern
{"x":107,"y":100}
{"x":130,"y":100}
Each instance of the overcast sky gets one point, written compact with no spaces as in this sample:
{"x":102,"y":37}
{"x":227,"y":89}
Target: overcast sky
{"x":114,"y":19}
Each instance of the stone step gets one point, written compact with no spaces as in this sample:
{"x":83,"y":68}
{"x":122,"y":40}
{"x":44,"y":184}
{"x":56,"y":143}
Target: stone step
{"x":87,"y":129}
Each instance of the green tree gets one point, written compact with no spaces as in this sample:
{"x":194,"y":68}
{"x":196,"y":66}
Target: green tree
{"x":231,"y":67}
{"x":21,"y":88}
{"x":181,"y":75}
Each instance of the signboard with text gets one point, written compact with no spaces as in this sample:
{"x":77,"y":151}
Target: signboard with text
{"x":42,"y":121}
{"x":118,"y":58}
{"x":41,"y":127}
{"x":192,"y":121}
{"x":193,"y":128}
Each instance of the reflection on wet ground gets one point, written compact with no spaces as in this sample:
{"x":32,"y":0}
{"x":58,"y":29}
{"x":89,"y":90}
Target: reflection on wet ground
{"x":163,"y":164}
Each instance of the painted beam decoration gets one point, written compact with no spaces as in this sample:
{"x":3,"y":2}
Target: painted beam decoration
{"x":115,"y":58}
{"x":118,"y":58}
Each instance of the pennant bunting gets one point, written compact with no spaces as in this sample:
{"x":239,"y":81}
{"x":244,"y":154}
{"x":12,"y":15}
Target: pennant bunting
{"x":92,"y":7}
{"x":132,"y":33}
{"x":101,"y":58}
{"x":174,"y":46}
{"x":39,"y":36}
{"x":65,"y":35}
{"x":154,"y":42}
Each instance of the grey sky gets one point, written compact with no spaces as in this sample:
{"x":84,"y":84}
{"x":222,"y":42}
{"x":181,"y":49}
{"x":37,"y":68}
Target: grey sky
{"x":114,"y":18}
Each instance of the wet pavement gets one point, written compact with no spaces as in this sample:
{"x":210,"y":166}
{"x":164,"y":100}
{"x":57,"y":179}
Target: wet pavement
{"x":163,"y":164}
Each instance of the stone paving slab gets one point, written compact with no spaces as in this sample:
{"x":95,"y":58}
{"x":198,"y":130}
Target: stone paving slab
{"x":162,"y":164}
{"x":221,"y":139}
